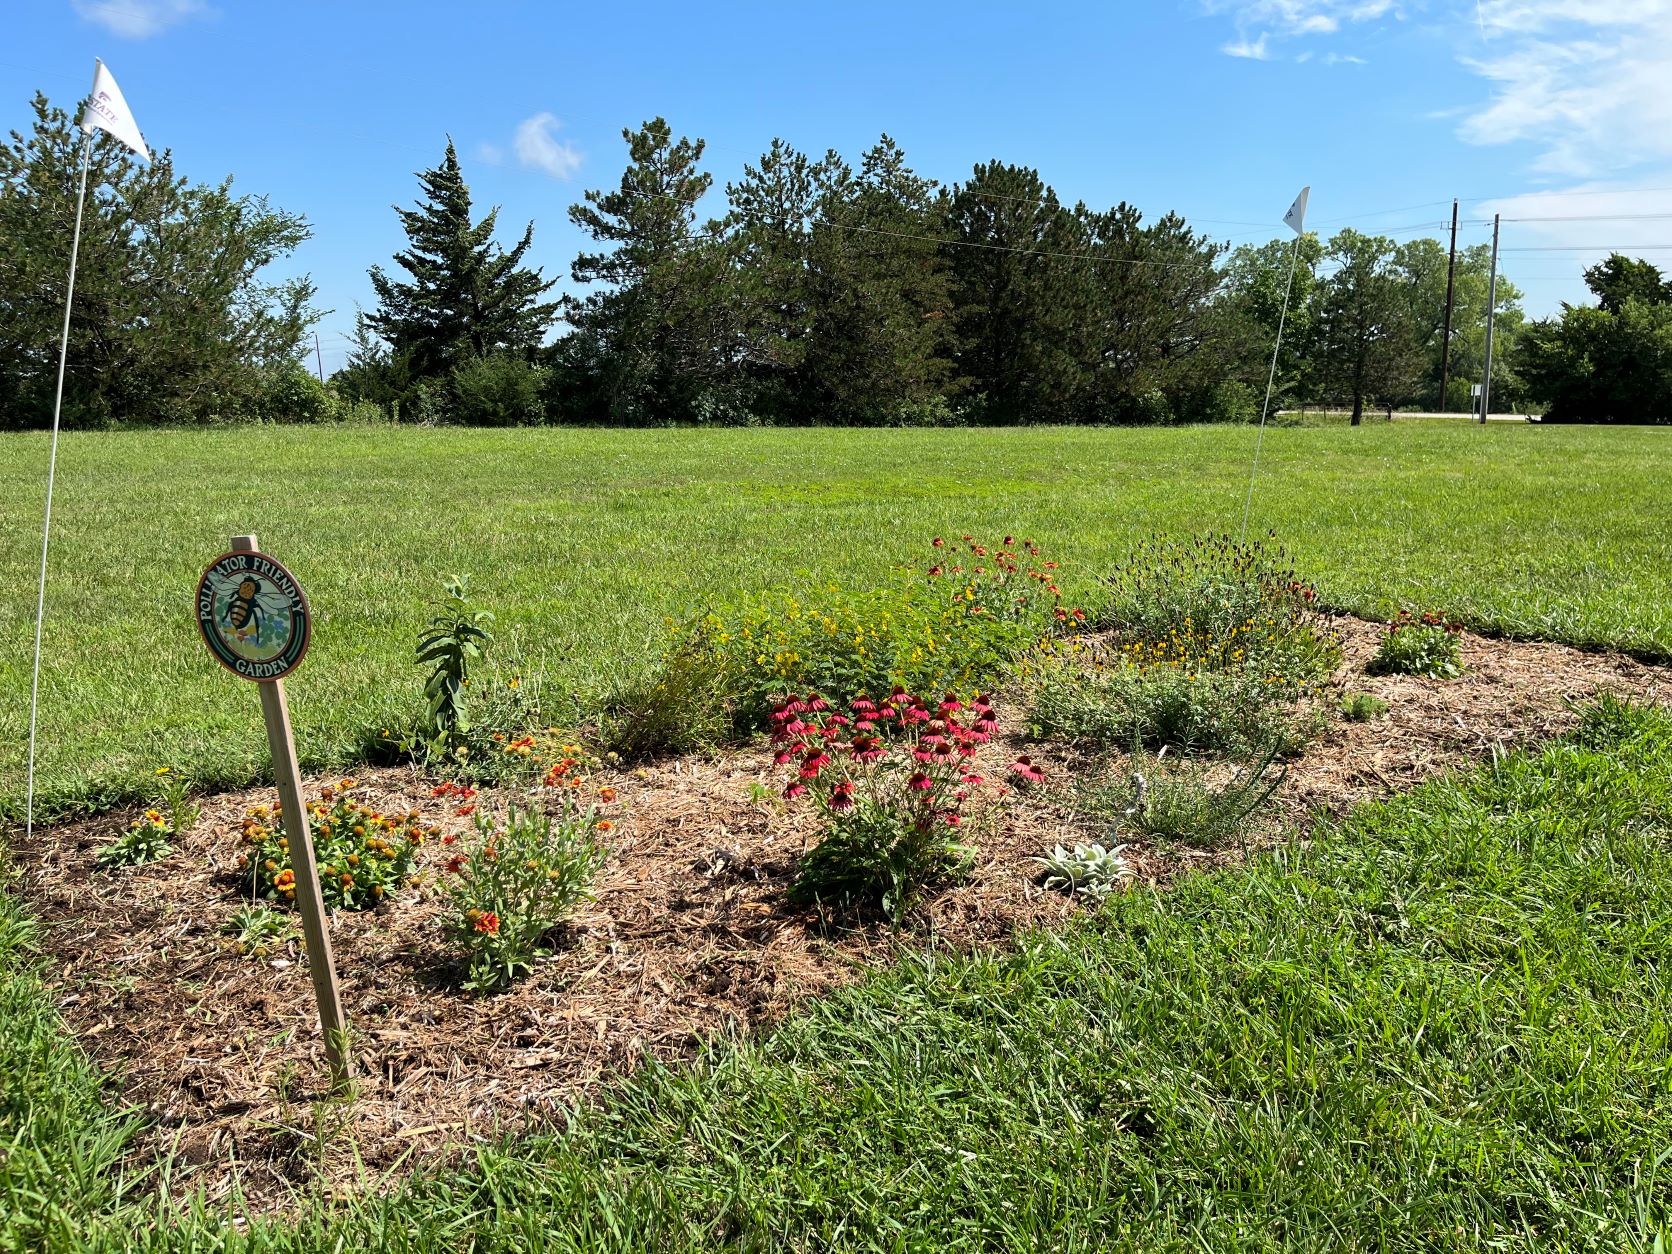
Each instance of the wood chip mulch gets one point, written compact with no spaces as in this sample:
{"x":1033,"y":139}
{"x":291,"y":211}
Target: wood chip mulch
{"x":689,"y":936}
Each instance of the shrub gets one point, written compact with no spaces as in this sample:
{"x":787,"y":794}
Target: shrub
{"x":289,"y":393}
{"x":1125,"y":703}
{"x":520,"y":878}
{"x":890,"y":779}
{"x":1429,"y":646}
{"x":499,"y":391}
{"x":682,"y":706}
{"x":1213,"y":604}
{"x":1362,"y":707}
{"x":1092,"y":871}
{"x":363,"y":856}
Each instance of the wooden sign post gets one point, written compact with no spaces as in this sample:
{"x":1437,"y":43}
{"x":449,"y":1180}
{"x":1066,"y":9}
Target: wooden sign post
{"x":256,"y":622}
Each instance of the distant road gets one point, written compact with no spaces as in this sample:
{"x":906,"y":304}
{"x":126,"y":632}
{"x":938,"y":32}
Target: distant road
{"x":1380,"y":415}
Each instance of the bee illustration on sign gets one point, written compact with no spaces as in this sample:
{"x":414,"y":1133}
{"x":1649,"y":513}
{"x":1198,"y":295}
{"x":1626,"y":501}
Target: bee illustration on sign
{"x":253,"y":615}
{"x":243,"y":613}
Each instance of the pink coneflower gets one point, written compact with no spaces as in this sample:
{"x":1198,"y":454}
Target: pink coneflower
{"x":1025,"y":771}
{"x":864,"y":725}
{"x":815,"y":761}
{"x":816,"y":703}
{"x":837,"y":720}
{"x":939,"y":543}
{"x":972,"y":778}
{"x":1009,"y":540}
{"x":841,"y":796}
{"x":863,"y":705}
{"x":795,"y":705}
{"x":794,"y":789}
{"x":919,"y":782}
{"x":950,"y":704}
{"x":936,"y":570}
{"x":866,"y":749}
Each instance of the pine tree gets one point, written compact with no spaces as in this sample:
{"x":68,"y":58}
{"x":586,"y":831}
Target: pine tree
{"x":467,"y":297}
{"x":1020,"y":294}
{"x":882,"y":293}
{"x":657,"y":336}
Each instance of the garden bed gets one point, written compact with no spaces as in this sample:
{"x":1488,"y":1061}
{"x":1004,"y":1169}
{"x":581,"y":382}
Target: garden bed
{"x":690,"y":933}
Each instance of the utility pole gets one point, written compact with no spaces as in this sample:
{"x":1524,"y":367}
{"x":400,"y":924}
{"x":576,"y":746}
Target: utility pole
{"x":319,"y":363}
{"x":1445,"y":336}
{"x":1491,"y":313}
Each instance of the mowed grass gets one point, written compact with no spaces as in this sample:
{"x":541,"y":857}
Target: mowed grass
{"x":1443,"y":1025}
{"x":585,"y":542}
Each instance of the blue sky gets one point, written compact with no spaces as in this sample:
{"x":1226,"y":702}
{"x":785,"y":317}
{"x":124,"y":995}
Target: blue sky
{"x":1559,"y":110}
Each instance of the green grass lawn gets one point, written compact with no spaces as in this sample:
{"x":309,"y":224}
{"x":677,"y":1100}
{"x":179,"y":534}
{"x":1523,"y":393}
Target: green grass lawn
{"x":584,"y":542}
{"x":1443,"y":1025}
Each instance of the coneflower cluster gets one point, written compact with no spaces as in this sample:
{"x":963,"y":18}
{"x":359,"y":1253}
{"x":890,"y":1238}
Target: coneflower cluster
{"x":902,"y":753}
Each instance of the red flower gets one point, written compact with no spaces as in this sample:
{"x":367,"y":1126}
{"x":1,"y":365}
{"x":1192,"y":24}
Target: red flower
{"x":935,"y":570}
{"x":1025,"y":771}
{"x":448,"y":839}
{"x":841,"y":796}
{"x":1009,"y":540}
{"x":863,"y":704}
{"x":816,"y":703}
{"x":972,"y":778}
{"x":456,"y":863}
{"x":950,"y":704}
{"x":488,"y":923}
{"x":919,"y":782}
{"x":866,"y":749}
{"x":815,"y":761}
{"x":794,"y":789}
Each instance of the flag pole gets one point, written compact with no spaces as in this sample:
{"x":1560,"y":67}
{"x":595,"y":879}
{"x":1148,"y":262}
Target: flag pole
{"x":51,"y":474}
{"x":1271,"y":378}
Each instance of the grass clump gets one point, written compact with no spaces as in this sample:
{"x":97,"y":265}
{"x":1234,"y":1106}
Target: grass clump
{"x":1363,"y":707}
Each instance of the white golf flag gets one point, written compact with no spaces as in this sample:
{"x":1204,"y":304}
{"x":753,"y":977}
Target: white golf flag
{"x":108,"y":112}
{"x":1295,"y":219}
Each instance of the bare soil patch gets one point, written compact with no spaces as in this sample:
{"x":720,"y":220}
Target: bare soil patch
{"x":689,"y":935}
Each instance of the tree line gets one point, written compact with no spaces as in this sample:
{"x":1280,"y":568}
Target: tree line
{"x":826,"y":292}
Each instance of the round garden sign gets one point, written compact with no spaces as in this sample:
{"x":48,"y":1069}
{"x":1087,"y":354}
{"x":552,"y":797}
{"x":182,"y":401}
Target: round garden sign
{"x":253,"y":616}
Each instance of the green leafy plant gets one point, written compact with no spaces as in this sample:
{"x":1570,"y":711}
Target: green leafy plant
{"x":363,"y":856}
{"x":518,"y":880}
{"x":146,"y":840}
{"x":1363,"y":707}
{"x":455,"y":641}
{"x":681,"y":706}
{"x":1092,"y":871}
{"x":1429,"y":645}
{"x":258,"y":931}
{"x":891,"y":779}
{"x":150,"y":837}
{"x":173,"y":796}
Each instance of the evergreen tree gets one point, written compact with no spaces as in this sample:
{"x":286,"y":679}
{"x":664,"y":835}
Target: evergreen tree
{"x":1621,"y":278}
{"x":173,"y":320}
{"x":881,"y":291}
{"x":467,"y":297}
{"x":769,"y":231}
{"x":1153,"y":340}
{"x":659,"y":332}
{"x":1019,"y":292}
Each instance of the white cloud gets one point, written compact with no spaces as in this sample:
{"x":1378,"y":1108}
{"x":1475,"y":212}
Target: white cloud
{"x":1259,"y":21}
{"x":138,"y":19}
{"x":1343,"y":58}
{"x":538,"y":147}
{"x":490,"y":154}
{"x":1254,"y":50}
{"x":1588,"y":81}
